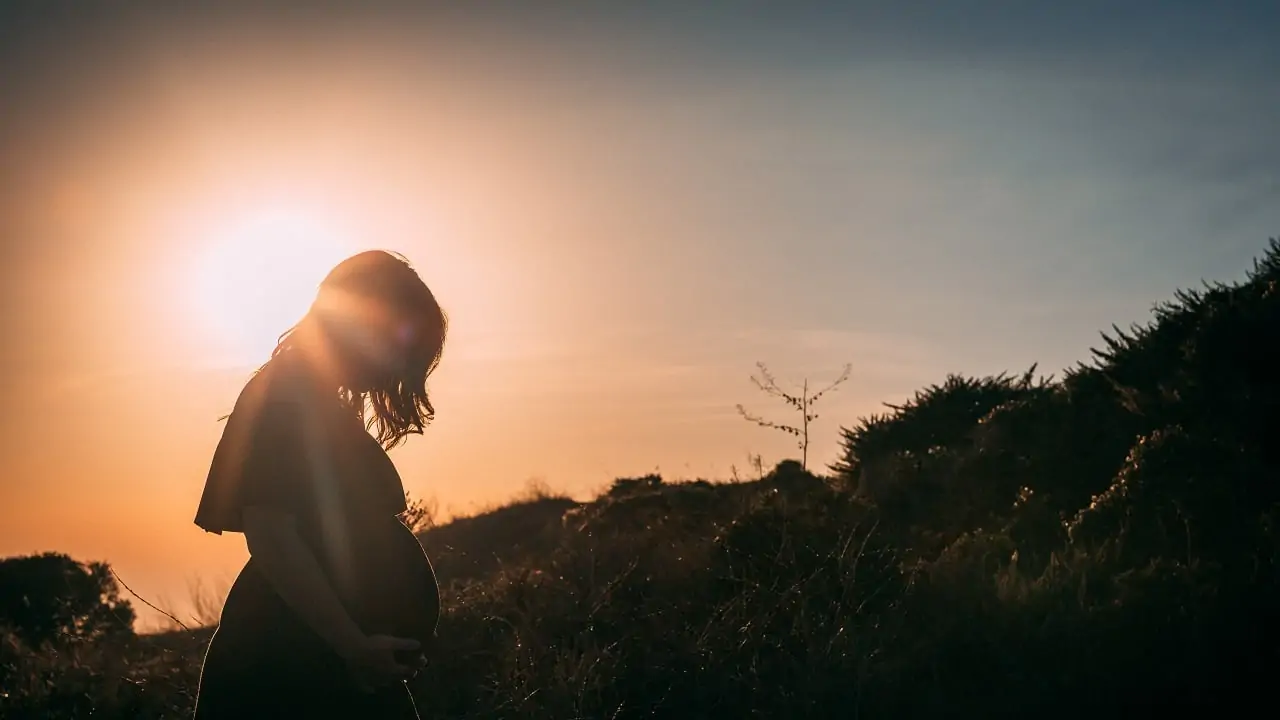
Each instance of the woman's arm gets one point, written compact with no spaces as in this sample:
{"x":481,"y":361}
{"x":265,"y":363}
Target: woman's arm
{"x":292,"y":570}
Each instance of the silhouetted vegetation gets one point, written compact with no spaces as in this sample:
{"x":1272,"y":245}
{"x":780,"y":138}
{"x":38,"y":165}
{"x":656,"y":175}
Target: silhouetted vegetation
{"x":50,"y":597}
{"x":1007,"y":546}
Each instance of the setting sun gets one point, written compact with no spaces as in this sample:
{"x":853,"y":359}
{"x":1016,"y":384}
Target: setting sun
{"x":258,"y":274}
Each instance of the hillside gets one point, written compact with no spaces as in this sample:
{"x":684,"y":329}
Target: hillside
{"x":1005,"y":546}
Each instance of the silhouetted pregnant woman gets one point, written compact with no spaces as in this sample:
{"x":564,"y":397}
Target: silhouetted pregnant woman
{"x":333,"y":610}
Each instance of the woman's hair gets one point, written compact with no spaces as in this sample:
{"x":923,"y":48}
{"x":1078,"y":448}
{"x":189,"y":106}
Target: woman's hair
{"x":381,"y":285}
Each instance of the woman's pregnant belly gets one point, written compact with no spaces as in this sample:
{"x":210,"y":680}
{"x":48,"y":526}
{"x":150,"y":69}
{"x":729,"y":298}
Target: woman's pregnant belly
{"x":393,"y":590}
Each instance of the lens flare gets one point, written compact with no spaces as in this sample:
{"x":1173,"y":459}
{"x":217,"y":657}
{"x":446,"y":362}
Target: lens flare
{"x":256,"y":277}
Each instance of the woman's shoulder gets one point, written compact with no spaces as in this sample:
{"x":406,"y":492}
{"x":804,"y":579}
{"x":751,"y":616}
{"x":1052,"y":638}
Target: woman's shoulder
{"x":284,"y":384}
{"x":254,"y":447}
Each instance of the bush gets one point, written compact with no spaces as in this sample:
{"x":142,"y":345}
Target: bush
{"x":50,"y":598}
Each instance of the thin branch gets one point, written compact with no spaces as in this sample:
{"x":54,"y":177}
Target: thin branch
{"x":147,"y":602}
{"x":766,"y":423}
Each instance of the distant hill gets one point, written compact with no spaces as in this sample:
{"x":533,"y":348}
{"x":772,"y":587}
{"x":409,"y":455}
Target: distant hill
{"x":469,"y":548}
{"x":530,"y":531}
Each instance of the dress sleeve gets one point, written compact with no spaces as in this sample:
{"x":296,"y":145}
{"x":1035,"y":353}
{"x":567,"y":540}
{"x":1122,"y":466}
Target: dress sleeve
{"x":261,"y":459}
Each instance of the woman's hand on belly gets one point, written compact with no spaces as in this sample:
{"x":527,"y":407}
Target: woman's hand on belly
{"x":375,"y":664}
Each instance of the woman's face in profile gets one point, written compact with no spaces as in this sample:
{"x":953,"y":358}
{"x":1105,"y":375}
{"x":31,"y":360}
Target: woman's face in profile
{"x":377,"y":341}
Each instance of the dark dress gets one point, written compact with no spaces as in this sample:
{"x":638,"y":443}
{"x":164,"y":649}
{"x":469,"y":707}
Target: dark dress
{"x":289,"y":445}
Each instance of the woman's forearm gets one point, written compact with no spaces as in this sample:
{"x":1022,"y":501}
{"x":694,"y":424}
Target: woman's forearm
{"x":292,"y":570}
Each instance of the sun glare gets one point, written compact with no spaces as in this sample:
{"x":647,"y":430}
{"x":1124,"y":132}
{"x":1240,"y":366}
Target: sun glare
{"x":257,"y":276}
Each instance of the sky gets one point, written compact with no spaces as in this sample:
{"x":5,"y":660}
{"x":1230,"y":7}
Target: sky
{"x":622,"y":208}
